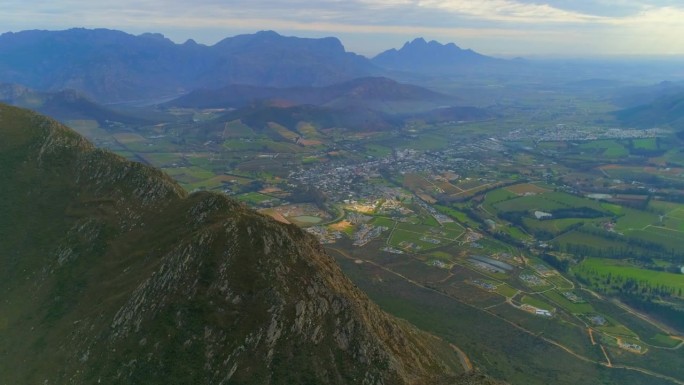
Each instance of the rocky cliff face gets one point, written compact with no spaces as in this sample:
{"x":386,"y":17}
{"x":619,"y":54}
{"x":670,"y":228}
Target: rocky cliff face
{"x":113,"y":274}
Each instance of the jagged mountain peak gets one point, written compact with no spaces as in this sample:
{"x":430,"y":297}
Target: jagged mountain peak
{"x":420,"y":55}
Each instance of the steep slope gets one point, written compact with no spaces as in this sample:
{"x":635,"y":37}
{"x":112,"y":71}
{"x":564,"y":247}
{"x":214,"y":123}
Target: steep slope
{"x":111,"y":273}
{"x":114,"y":66}
{"x":354,"y":92}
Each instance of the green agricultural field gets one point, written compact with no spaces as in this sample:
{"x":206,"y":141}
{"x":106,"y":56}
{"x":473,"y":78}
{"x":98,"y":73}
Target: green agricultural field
{"x":570,"y":200}
{"x":664,"y":341}
{"x":499,"y":195}
{"x":544,"y":202}
{"x":589,"y":240}
{"x":674,"y":156}
{"x":214,"y":183}
{"x":236,"y":129}
{"x":635,"y":220}
{"x":377,"y":150}
{"x":243,"y":145}
{"x":673,"y":224}
{"x":425,"y":142}
{"x":612,"y":208}
{"x":254,"y":198}
{"x":557,"y":298}
{"x":671,"y":239}
{"x":617,"y":330}
{"x":442,"y":256}
{"x":527,"y":203}
{"x":506,"y":290}
{"x":383,"y":221}
{"x":533,"y":301}
{"x":127,"y":138}
{"x":555,"y":226}
{"x":401,"y":239}
{"x":453,"y":229}
{"x":189,"y":174}
{"x":429,"y":220}
{"x":308,"y":130}
{"x":514,"y":232}
{"x":283,"y":131}
{"x":456,"y":214}
{"x":606,"y":148}
{"x":645,"y":144}
{"x":596,"y":269}
{"x":162,"y":159}
{"x":445,"y":233}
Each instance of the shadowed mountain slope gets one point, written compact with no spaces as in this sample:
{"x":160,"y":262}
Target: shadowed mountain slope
{"x":664,"y":111}
{"x":112,"y":273}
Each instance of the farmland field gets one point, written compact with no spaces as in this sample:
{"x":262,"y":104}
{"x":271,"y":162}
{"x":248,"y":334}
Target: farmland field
{"x":556,"y":297}
{"x":616,"y":268}
{"x":526,"y":188}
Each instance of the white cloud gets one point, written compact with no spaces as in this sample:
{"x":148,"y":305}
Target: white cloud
{"x":538,"y":26}
{"x":506,"y":10}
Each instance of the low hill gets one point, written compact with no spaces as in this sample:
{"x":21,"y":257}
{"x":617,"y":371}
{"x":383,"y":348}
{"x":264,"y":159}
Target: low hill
{"x":65,"y":105}
{"x":664,"y":111}
{"x":113,"y":274}
{"x":362,"y":91}
{"x":630,"y":97}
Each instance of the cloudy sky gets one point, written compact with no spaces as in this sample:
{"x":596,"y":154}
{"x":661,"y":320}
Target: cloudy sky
{"x":496,"y":27}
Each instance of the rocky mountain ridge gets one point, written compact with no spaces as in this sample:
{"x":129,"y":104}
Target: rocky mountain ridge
{"x":112,"y":273}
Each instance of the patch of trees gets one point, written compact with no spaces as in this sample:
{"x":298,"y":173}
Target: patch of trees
{"x":663,"y":312}
{"x":559,"y":264}
{"x":507,"y":238}
{"x":516,"y":218}
{"x":308,"y":194}
{"x":625,"y":252}
{"x":575,"y":212}
{"x":646,"y":152}
{"x":252,"y":186}
{"x":627,"y":287}
{"x":639,"y":249}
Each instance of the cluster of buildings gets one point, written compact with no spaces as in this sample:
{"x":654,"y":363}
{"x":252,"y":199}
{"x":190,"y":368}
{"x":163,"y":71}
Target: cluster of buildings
{"x":565,"y":132}
{"x":348,"y":179}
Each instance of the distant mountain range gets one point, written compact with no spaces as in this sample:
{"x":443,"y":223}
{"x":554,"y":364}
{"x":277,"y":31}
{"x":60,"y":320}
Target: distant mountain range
{"x":113,"y":274}
{"x":112,"y":66}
